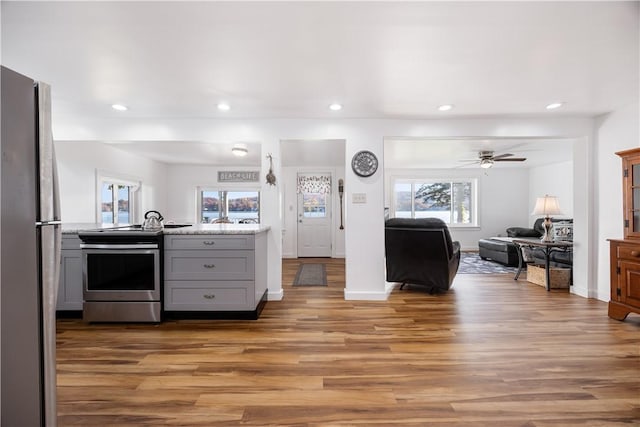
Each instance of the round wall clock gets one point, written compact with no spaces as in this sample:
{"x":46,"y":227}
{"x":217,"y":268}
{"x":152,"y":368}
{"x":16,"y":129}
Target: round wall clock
{"x":364,"y":163}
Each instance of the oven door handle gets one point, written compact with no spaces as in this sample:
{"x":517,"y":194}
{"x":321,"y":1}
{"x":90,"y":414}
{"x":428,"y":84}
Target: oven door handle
{"x":109,"y":246}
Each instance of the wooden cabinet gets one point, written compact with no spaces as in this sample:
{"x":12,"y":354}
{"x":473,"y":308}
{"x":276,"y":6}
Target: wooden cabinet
{"x":70,"y":285}
{"x":215,"y":274}
{"x":625,"y":254}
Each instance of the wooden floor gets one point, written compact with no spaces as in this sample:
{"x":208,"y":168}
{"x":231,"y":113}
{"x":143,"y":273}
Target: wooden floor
{"x":491,"y":352}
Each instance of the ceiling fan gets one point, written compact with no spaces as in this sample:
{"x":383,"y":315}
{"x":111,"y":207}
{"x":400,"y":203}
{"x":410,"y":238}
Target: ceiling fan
{"x":486,"y":159}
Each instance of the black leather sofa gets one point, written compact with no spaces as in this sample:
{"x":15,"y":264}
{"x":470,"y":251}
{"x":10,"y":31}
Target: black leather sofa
{"x":557,"y":258}
{"x":505,"y":252}
{"x":420,"y":252}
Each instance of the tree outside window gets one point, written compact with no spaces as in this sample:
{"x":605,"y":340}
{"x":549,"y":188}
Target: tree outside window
{"x":236,"y":206}
{"x":451,"y":201}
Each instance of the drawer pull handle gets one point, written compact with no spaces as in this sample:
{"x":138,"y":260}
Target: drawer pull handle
{"x":209,"y":296}
{"x":209,"y":243}
{"x":209,"y":266}
{"x":635,"y":253}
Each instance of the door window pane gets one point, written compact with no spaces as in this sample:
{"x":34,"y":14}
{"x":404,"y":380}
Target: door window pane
{"x":314,"y":205}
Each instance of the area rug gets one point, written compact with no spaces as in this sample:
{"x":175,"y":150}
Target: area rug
{"x":471,"y":263}
{"x":311,"y":275}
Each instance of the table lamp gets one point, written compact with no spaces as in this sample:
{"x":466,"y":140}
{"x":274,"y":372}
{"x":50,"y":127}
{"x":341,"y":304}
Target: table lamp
{"x":547,"y":205}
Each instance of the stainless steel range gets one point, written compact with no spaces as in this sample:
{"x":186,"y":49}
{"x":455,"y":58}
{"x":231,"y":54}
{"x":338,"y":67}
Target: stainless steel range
{"x":122,"y":274}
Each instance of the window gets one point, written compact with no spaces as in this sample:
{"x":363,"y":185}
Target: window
{"x":453,"y":201}
{"x":314,"y":205}
{"x":116,"y":201}
{"x":236,"y":206}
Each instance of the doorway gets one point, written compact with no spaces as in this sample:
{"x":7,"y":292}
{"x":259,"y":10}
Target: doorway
{"x":314,"y":214}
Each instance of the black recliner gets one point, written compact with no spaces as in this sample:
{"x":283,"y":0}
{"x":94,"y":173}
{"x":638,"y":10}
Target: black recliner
{"x":420,"y":252}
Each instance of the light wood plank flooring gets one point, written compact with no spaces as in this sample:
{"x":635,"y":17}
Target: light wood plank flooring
{"x":491,"y":352}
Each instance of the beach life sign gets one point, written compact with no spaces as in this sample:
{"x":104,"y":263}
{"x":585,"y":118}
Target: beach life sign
{"x":238,"y":176}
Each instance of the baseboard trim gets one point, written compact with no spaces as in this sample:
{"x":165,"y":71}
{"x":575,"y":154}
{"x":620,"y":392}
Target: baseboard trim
{"x":366,"y":296}
{"x":276,"y":295}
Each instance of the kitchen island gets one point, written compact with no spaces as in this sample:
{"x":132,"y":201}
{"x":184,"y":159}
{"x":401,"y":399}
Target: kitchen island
{"x":209,"y":270}
{"x":215,"y":271}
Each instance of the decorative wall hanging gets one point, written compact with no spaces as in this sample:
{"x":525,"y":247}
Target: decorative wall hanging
{"x":364,"y":163}
{"x":238,"y":176}
{"x":314,"y":184}
{"x":271,"y":178}
{"x":341,"y":193}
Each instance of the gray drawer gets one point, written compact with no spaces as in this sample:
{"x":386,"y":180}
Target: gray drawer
{"x":208,"y":296}
{"x":210,"y":242}
{"x":70,"y":242}
{"x":209,"y":265}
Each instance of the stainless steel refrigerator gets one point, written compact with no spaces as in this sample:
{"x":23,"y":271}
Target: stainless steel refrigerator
{"x":29,"y":253}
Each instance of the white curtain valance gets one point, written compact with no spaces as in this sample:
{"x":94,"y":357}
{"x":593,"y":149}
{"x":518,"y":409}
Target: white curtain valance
{"x":314,"y":184}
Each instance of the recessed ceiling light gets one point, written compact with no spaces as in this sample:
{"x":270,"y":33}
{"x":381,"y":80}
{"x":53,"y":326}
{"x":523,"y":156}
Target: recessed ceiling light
{"x":555,"y":105}
{"x":335,"y":107}
{"x":223,"y":106}
{"x":445,"y":107}
{"x":119,"y":107}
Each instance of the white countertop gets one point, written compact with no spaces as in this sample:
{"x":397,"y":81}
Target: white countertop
{"x":74,"y":227}
{"x":218,"y":229}
{"x":71,"y":228}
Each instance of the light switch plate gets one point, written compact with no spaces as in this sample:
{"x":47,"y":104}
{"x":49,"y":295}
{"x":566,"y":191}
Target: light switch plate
{"x":359,"y":197}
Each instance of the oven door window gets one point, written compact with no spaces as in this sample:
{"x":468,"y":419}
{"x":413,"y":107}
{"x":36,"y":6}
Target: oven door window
{"x":121,"y":271}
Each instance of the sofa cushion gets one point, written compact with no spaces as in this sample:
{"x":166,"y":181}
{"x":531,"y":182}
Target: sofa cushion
{"x":522,"y":232}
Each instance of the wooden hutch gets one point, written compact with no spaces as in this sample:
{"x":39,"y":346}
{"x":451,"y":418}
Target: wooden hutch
{"x":625,"y":253}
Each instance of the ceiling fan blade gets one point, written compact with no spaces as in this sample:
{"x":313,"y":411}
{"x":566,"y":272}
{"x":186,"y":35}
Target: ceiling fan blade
{"x":513,"y":159}
{"x":500,"y":156}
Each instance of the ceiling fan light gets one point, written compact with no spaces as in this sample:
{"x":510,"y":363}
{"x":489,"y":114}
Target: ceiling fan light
{"x":445,"y":107}
{"x":239,"y":150}
{"x":486,"y":163}
{"x":554,"y":105}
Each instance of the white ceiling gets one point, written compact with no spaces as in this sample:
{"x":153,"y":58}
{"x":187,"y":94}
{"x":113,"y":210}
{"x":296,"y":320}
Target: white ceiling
{"x":177,"y":60}
{"x":464,"y":153}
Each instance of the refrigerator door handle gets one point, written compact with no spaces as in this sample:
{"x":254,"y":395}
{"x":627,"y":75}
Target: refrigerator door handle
{"x":50,"y":245}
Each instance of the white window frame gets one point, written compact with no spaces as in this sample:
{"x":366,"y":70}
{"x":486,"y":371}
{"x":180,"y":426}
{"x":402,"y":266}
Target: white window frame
{"x":117,"y":179}
{"x":413,"y":180}
{"x":228,"y":189}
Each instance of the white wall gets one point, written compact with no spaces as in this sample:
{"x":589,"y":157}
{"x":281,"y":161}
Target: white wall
{"x":555,"y":179}
{"x":364,"y":223}
{"x":502,"y":199}
{"x":78,"y":162}
{"x":290,"y":200}
{"x":182,"y":184}
{"x":614,"y":132}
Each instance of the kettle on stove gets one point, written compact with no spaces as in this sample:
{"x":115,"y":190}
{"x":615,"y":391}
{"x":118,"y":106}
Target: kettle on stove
{"x":152,"y":221}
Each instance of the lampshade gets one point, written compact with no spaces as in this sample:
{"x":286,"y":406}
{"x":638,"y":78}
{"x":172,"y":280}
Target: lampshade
{"x":240,"y":150}
{"x":547,"y":205}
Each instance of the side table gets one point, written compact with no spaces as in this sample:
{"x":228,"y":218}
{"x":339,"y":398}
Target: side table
{"x":547,"y":247}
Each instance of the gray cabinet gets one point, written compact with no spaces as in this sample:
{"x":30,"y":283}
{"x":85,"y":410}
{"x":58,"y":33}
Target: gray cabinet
{"x":214,"y":273}
{"x":70,"y":286}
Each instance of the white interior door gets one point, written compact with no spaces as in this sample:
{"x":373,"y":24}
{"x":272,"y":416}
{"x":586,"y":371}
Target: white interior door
{"x":314,"y":224}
